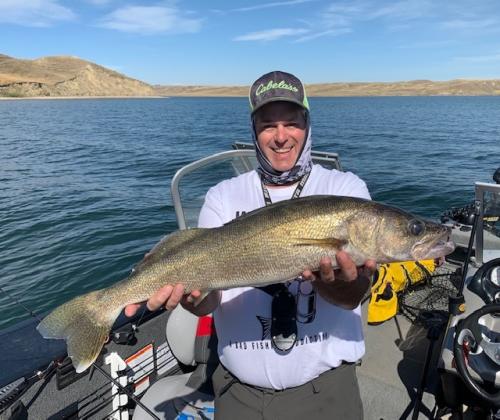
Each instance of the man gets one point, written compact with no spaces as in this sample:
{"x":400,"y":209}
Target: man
{"x":286,"y":351}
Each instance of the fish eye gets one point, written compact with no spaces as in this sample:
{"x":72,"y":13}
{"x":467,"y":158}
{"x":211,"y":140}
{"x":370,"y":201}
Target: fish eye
{"x":416,"y":227}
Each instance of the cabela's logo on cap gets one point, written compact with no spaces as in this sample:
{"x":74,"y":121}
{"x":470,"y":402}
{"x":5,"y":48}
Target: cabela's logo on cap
{"x":275,"y":85}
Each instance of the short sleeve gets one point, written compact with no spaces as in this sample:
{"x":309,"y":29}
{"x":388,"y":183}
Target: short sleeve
{"x":211,"y":214}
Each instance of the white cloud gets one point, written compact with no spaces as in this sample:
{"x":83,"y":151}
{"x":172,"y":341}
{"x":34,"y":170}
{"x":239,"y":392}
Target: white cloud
{"x":41,"y":13}
{"x":406,"y":9}
{"x":351,"y":8}
{"x":342,"y":17}
{"x":271,"y":34}
{"x":346,"y":14}
{"x":273,"y":4}
{"x":330,"y":32}
{"x":149,"y":20}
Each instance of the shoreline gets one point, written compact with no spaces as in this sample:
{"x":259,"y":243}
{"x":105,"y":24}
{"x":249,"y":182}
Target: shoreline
{"x":23,"y":98}
{"x":367,"y":95}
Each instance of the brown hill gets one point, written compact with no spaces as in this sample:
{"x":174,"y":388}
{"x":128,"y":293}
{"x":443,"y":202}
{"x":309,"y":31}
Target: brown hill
{"x":201,"y":90}
{"x":70,"y":76}
{"x":64,"y":76}
{"x":410,"y":88}
{"x":458,"y":87}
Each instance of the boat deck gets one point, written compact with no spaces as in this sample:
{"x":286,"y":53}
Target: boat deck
{"x":392,"y":368}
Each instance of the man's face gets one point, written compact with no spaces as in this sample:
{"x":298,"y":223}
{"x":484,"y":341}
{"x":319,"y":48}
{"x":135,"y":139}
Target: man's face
{"x":281,"y":132}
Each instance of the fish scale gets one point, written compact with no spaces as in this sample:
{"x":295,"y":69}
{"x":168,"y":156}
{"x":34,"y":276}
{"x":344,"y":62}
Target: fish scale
{"x":270,"y":245}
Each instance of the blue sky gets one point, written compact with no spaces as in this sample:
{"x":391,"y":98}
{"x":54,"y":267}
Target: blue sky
{"x":233,"y":42}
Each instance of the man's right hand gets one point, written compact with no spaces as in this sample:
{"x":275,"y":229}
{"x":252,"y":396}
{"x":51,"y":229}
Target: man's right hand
{"x":170,"y":296}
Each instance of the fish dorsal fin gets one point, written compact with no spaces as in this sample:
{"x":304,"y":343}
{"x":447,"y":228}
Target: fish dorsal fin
{"x":170,"y":243}
{"x":324,"y":242}
{"x":177,"y":238}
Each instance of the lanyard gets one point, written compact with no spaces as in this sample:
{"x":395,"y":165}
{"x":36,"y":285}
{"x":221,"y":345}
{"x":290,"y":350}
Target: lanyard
{"x":296,"y":193}
{"x":283,"y":329}
{"x":273,"y":288}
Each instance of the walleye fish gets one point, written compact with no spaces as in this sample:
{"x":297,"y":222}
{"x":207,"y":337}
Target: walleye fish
{"x":269,"y":245}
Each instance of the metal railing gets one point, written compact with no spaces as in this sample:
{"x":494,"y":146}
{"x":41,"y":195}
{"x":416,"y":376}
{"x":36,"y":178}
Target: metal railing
{"x":242,"y":159}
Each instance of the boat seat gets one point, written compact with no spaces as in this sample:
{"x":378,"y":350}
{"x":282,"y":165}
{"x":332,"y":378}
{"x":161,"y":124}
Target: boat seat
{"x":188,"y":396}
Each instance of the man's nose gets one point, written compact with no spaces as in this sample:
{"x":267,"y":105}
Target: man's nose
{"x":281,"y":133}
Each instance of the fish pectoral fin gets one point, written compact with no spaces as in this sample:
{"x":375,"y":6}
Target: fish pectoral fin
{"x":325,"y":242}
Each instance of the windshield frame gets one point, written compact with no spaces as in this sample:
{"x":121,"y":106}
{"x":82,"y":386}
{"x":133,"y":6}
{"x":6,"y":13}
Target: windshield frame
{"x":484,"y":251}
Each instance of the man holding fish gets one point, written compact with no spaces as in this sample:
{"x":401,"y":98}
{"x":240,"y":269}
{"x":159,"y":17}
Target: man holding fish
{"x":308,"y":368}
{"x":284,"y":279}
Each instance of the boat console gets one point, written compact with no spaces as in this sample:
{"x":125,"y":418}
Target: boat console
{"x":470,"y":354}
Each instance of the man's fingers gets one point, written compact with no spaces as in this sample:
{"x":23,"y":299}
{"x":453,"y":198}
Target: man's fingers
{"x":326,"y":270}
{"x":347,"y":266}
{"x":308,"y":275}
{"x":131,"y":309}
{"x":191,"y":298}
{"x":175,"y":297}
{"x":159,"y":298}
{"x":371,"y":266}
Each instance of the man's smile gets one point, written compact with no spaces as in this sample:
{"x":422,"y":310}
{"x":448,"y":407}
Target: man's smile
{"x":282,"y":150}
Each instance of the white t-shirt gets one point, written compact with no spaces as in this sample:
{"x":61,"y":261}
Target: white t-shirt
{"x":327,"y":334}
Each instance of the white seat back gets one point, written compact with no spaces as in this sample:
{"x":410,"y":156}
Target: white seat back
{"x":181,"y":335}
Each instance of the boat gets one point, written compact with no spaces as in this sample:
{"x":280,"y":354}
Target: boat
{"x":157,"y":365}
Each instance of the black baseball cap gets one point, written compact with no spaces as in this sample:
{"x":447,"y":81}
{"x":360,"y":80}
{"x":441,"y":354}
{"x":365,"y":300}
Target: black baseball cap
{"x":277,"y":86}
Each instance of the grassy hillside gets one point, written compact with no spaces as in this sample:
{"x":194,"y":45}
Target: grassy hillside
{"x":410,"y":88}
{"x":64,"y":76}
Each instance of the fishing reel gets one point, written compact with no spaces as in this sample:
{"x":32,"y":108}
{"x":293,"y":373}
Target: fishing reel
{"x":464,"y":215}
{"x":476,"y":347}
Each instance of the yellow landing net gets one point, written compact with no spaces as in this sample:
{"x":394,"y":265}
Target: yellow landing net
{"x":392,"y":279}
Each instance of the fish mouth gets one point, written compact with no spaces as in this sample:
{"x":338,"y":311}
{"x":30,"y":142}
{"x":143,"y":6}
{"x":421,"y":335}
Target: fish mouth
{"x":439,"y":247}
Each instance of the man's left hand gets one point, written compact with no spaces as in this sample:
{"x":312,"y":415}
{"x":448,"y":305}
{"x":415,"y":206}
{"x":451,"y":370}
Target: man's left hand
{"x":345,"y":286}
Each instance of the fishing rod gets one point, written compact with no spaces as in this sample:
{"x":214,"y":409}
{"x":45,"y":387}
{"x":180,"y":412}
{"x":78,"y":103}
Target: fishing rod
{"x":33,"y":314}
{"x":54,"y":364}
{"x":124,"y":389}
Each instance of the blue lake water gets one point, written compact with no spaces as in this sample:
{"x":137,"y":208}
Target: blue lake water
{"x":84,"y":184}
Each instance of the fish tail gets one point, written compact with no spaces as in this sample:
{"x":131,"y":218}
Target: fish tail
{"x":84,"y":323}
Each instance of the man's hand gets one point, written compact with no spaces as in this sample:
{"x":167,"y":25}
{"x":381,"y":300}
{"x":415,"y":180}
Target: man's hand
{"x":170,"y":296}
{"x":345,"y":286}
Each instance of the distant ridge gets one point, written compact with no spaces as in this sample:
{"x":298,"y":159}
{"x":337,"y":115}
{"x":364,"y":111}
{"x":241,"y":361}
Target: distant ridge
{"x":64,"y":76}
{"x":459,"y":87}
